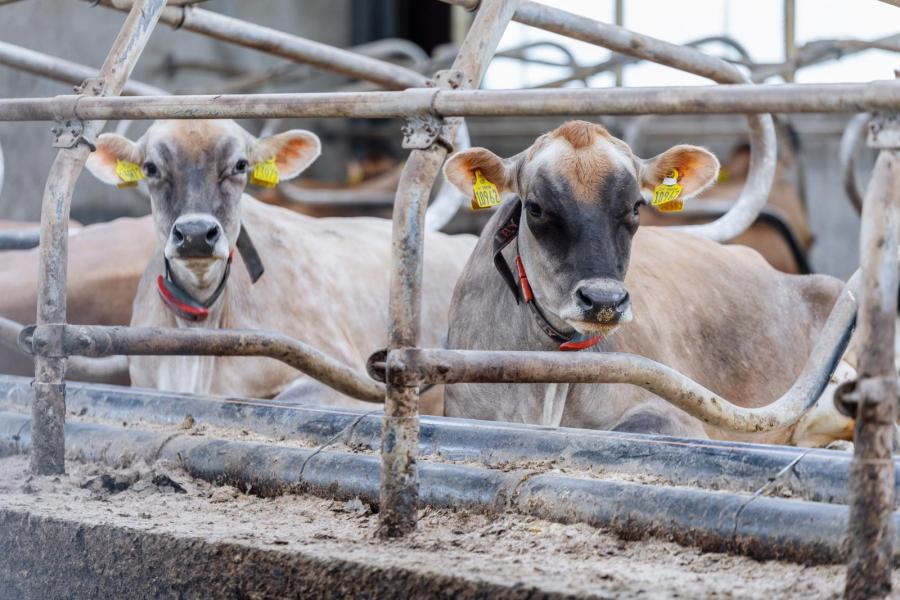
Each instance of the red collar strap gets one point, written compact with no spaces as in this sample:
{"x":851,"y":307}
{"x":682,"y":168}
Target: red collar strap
{"x":184,"y":305}
{"x":506,"y":233}
{"x":181,"y":302}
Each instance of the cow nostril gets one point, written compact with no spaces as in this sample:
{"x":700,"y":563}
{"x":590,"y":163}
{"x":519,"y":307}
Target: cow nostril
{"x":212,"y":234}
{"x":585,"y":302}
{"x":177,"y":235}
{"x":623,"y":302}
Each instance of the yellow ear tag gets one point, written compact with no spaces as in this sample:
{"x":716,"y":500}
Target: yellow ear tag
{"x":665,"y":195}
{"x":265,"y":173}
{"x":129,"y":172}
{"x":486,"y":193}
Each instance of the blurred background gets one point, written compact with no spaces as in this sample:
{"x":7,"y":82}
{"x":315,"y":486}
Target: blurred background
{"x":812,"y":225}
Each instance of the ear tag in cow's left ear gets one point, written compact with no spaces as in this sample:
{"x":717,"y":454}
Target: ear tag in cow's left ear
{"x":665,"y":195}
{"x":265,"y":173}
{"x":130,"y":173}
{"x":486,"y":193}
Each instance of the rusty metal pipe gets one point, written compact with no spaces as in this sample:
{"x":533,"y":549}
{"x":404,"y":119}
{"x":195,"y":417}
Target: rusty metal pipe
{"x":851,"y":139}
{"x":285,"y":45}
{"x":730,"y":99}
{"x":399,"y":491}
{"x":48,"y":411}
{"x":872,"y":470}
{"x":412,"y":367}
{"x":101,"y":341}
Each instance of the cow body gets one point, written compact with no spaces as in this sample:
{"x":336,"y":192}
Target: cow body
{"x":718,"y":314}
{"x":326,"y":284}
{"x":325,"y":281}
{"x":587,"y":277}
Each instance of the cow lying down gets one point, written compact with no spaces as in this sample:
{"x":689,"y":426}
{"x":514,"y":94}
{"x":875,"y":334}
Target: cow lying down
{"x":563,"y":265}
{"x":325,"y":281}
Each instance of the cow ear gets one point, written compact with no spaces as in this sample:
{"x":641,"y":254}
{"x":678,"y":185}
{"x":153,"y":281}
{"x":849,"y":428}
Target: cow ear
{"x":110,"y":149}
{"x":293,"y":150}
{"x":460,"y":170}
{"x":697,"y":169}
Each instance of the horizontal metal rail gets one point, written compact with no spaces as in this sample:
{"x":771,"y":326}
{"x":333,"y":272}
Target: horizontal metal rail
{"x":63,"y":70}
{"x":272,"y":41}
{"x":414,"y":367}
{"x":98,"y":341}
{"x":730,"y":99}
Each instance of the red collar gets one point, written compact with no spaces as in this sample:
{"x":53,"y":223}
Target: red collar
{"x":180,"y":302}
{"x":507,"y":232}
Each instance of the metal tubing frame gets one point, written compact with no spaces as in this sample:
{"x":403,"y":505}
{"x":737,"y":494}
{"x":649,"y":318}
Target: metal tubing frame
{"x":851,"y":139}
{"x":48,"y":412}
{"x":882,"y":95}
{"x":398,"y":485}
{"x":871,"y":483}
{"x":399,"y":495}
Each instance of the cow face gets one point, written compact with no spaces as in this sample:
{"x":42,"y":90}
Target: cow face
{"x":581,"y":191}
{"x":196,"y":172}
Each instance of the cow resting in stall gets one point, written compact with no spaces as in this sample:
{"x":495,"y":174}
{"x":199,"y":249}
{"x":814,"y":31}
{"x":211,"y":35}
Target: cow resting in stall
{"x":325,"y":281}
{"x":563,"y":265}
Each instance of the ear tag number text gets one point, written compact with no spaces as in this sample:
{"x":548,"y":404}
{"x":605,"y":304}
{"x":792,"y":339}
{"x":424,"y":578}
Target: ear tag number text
{"x":486,"y":194}
{"x":265,"y":174}
{"x":665,"y":195}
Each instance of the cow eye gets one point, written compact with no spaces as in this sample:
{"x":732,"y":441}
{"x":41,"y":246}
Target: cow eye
{"x":534,"y":210}
{"x":150,"y":169}
{"x":241,"y":166}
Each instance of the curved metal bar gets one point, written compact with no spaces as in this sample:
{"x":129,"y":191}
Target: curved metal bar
{"x":101,"y":341}
{"x":762,"y":131}
{"x":449,"y":199}
{"x":851,"y":140}
{"x":2,"y":171}
{"x":416,"y":367}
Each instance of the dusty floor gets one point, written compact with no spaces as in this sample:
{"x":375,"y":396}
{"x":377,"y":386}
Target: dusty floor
{"x":575,"y":559}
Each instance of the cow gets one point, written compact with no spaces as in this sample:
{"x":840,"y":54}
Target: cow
{"x":100,"y":289}
{"x":325,"y":281}
{"x":563,"y":265}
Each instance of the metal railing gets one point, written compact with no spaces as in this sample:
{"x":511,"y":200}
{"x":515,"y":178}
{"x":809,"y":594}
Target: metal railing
{"x":433,"y":114}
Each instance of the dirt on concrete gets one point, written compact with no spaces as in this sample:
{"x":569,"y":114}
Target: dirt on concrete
{"x":226,"y":534}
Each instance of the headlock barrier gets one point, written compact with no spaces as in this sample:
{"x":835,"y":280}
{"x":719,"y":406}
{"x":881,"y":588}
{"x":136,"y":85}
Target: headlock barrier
{"x":434,"y":108}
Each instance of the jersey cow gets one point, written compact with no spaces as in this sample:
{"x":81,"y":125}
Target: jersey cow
{"x":325,"y":282}
{"x":588,"y":279}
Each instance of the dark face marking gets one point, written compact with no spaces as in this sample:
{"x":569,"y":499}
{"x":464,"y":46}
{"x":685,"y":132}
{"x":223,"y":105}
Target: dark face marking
{"x":582,"y":247}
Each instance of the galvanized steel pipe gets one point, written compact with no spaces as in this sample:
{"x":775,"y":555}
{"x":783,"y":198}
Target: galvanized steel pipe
{"x":851,"y":140}
{"x":413,"y":367}
{"x":48,"y":411}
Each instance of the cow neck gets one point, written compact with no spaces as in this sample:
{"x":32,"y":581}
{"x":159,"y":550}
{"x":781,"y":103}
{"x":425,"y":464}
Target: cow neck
{"x":507,"y":233}
{"x":182,"y":304}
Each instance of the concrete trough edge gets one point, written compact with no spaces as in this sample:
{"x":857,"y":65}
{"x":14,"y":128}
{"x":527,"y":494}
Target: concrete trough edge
{"x":758,"y":526}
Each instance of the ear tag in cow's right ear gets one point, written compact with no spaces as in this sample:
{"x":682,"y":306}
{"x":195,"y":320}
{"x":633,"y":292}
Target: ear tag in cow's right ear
{"x":130,"y":173}
{"x":665,"y":195}
{"x":265,"y":173}
{"x":486,"y":193}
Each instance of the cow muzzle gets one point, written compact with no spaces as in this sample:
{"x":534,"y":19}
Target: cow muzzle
{"x":196,"y":237}
{"x":598,"y":305}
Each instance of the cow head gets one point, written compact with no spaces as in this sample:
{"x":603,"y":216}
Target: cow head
{"x":581,"y":191}
{"x":196,"y":172}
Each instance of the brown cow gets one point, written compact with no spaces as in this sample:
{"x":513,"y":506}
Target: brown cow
{"x":325,"y":281}
{"x":718,"y":314}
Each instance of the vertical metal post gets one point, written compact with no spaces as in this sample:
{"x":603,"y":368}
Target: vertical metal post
{"x":872,"y":470}
{"x":620,"y":22}
{"x":49,"y":407}
{"x":399,"y":494}
{"x":790,"y":38}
